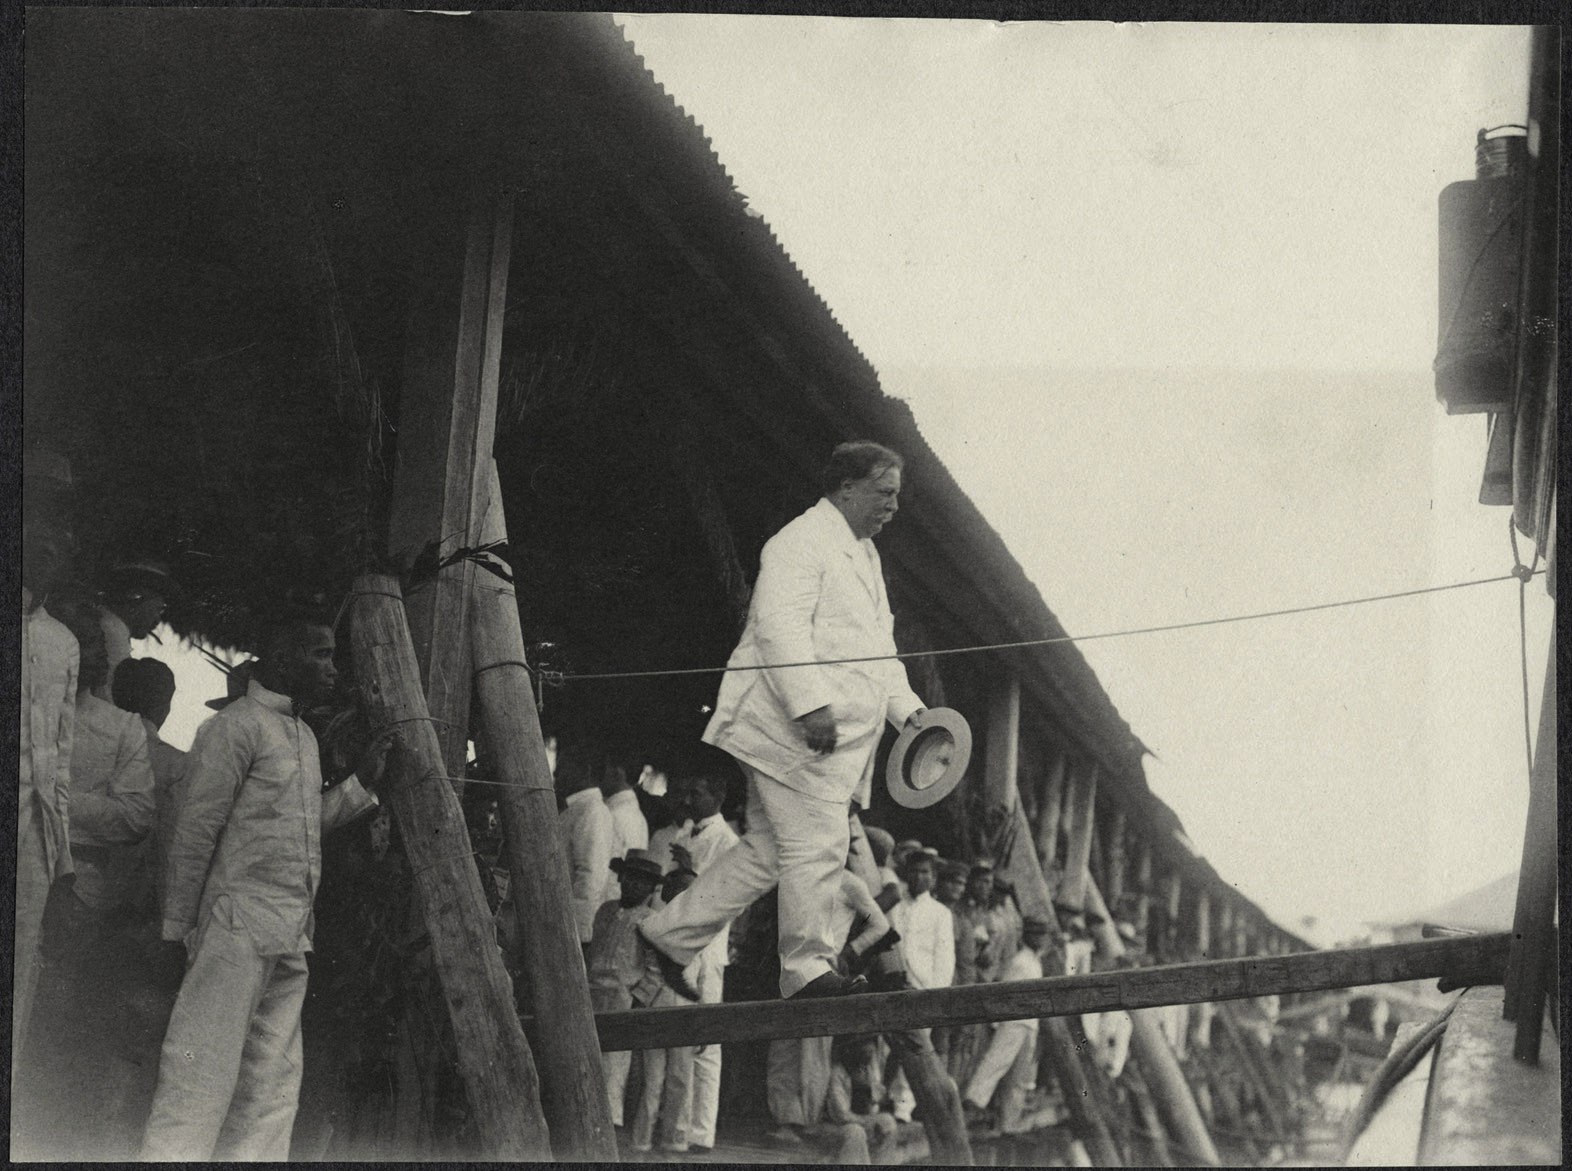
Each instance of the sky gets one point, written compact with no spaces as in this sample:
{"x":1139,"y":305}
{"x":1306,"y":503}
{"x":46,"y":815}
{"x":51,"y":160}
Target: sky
{"x":1162,"y":297}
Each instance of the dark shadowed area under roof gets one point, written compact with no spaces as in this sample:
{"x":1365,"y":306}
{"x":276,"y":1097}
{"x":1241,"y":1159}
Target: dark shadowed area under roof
{"x":225,"y":211}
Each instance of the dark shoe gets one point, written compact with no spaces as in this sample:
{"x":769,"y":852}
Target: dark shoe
{"x":830,"y":984}
{"x":670,"y":970}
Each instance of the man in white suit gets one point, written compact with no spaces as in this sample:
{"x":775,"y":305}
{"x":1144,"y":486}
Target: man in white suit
{"x":805,"y":735}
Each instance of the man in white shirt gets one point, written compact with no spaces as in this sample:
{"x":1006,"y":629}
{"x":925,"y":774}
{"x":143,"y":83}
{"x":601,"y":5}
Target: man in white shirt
{"x":805,"y":721}
{"x":48,"y":661}
{"x":701,"y":838}
{"x":590,"y":836}
{"x":927,"y":946}
{"x":245,"y":859}
{"x":147,"y":687}
{"x":631,"y":831}
{"x":1009,"y":1062}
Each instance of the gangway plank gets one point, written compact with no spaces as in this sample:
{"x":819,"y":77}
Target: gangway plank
{"x":1465,"y":960}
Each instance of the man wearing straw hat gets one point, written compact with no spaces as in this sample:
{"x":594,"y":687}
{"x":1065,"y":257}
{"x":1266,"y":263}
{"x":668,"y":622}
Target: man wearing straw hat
{"x":804,"y":723}
{"x":136,"y":593}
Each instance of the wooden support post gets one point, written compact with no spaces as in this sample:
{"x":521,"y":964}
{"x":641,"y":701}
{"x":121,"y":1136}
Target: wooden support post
{"x":1086,"y":1122}
{"x":1048,"y":811}
{"x":1203,"y":925}
{"x":1080,"y":796}
{"x":574,"y":1088}
{"x":1003,"y":754}
{"x":1064,"y":1054}
{"x":1223,"y":929}
{"x":1019,"y":867}
{"x":1173,"y":893}
{"x":937,"y":1097}
{"x":1273,"y":1099}
{"x":1532,"y":969}
{"x":493,"y":1057}
{"x":447,"y":422}
{"x":1114,"y":859}
{"x":1143,"y":886}
{"x":1150,"y":1047}
{"x":1146,"y":1110}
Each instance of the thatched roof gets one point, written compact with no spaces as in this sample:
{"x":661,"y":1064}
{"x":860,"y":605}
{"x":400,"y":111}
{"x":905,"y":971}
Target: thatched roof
{"x":224,"y":211}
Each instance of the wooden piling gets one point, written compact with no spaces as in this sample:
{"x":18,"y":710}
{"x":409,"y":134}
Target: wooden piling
{"x":492,"y":1055}
{"x":1080,"y":797}
{"x":938,"y":1099}
{"x":1086,"y":1121}
{"x":447,"y":422}
{"x":1049,"y":807}
{"x":1148,"y":1045}
{"x":574,"y":1088}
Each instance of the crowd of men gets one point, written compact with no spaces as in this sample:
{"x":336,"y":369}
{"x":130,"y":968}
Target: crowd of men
{"x":165,"y":900}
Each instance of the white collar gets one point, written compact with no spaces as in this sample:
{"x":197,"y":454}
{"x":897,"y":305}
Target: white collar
{"x":583,"y":796}
{"x":834,"y":521}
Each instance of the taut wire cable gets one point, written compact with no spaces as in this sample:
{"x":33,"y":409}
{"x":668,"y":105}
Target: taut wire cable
{"x":555,"y":677}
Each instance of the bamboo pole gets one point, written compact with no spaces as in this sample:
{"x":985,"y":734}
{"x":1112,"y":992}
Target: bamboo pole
{"x":1150,"y":1048}
{"x":574,"y":1088}
{"x":937,"y":1097}
{"x":492,"y":1054}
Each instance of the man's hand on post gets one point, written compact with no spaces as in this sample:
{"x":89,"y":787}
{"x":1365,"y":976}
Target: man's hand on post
{"x":373,"y":759}
{"x":818,"y":728}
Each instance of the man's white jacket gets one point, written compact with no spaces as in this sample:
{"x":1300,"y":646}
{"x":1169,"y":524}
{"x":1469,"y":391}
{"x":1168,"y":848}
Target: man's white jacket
{"x":820,"y":596}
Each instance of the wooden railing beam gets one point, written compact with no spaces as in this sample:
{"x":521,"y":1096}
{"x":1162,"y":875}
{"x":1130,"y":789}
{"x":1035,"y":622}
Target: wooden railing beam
{"x":1473,"y":959}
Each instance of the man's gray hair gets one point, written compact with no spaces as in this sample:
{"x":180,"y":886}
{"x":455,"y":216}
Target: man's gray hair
{"x":857,"y":460}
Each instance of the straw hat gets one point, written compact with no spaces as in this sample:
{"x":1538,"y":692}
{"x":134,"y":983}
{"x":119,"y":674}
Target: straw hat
{"x":928,"y":760}
{"x":638,"y":862}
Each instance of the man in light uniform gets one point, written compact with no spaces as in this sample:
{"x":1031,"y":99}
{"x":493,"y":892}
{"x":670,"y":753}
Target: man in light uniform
{"x":245,"y":858}
{"x":588,"y":833}
{"x":1007,"y":1065}
{"x":48,"y":660}
{"x":805,"y":734}
{"x":927,"y":946}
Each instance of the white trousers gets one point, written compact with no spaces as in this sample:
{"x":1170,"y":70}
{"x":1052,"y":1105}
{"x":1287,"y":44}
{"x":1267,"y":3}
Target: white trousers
{"x":229,"y":1073}
{"x":706,"y":1063}
{"x":617,"y":1065}
{"x":794,"y":842}
{"x":1007,"y":1060}
{"x":664,"y":1112}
